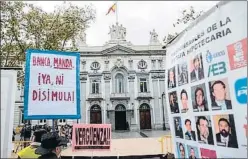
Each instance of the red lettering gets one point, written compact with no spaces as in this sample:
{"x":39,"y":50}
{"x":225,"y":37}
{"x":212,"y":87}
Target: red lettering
{"x":73,"y":96}
{"x":39,"y":94}
{"x":34,"y":61}
{"x":54,"y":95}
{"x":39,"y":79}
{"x":60,"y":63}
{"x":44,"y":95}
{"x":34,"y":95}
{"x":41,"y":61}
{"x":60,"y":96}
{"x":48,"y":95}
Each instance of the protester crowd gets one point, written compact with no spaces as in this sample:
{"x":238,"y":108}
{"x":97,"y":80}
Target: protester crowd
{"x":45,"y":142}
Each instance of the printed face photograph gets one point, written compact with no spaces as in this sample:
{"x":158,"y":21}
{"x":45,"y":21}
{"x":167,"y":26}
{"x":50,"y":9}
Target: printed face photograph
{"x":181,"y":150}
{"x":204,"y":130}
{"x":189,"y":132}
{"x":184,"y":101}
{"x":173,"y":102}
{"x":197,"y":70}
{"x":225,"y":131}
{"x":219,"y":93}
{"x":192,"y":152}
{"x":171,"y":78}
{"x":182,"y":73}
{"x":178,"y":127}
{"x":199,"y":99}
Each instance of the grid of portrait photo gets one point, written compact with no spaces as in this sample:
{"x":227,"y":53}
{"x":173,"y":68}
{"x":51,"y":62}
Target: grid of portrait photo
{"x":197,"y":102}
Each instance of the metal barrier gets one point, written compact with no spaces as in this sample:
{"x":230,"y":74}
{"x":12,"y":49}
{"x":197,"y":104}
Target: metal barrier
{"x":19,"y":145}
{"x":167,"y":141}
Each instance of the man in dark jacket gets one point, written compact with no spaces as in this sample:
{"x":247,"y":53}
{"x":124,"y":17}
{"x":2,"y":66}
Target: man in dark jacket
{"x":204,"y":132}
{"x":26,"y":133}
{"x":189,"y":134}
{"x":197,"y":73}
{"x":219,"y":101}
{"x":224,"y":137}
{"x":51,"y":146}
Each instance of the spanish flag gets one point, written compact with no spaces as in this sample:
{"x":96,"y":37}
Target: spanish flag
{"x":112,"y":8}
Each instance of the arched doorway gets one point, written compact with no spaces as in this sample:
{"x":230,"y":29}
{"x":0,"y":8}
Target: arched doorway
{"x":145,"y":116}
{"x":95,"y":115}
{"x":120,"y":117}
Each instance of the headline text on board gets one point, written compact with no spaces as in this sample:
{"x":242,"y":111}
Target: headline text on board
{"x":91,"y":135}
{"x":52,"y":82}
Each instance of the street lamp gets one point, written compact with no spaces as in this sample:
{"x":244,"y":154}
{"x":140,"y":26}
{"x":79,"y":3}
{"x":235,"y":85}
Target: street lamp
{"x":163,"y":94}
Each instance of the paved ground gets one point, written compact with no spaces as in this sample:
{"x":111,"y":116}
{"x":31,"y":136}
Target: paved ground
{"x":125,"y":147}
{"x":125,"y":134}
{"x":155,"y":133}
{"x":129,"y":143}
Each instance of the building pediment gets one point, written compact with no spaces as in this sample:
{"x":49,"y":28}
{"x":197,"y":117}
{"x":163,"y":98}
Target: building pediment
{"x":117,"y":50}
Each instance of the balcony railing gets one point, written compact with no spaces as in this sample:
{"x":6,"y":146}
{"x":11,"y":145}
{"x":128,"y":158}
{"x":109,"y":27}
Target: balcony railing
{"x":95,"y":96}
{"x":119,"y":96}
{"x":144,"y":95}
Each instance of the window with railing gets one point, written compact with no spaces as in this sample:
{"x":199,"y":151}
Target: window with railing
{"x":143,"y":85}
{"x":43,"y":121}
{"x":95,"y":87}
{"x":62,"y":120}
{"x":119,"y":83}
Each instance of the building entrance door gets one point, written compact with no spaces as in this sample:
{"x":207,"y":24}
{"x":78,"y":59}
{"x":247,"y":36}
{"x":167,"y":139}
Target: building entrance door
{"x":95,"y":115}
{"x":145,"y":116}
{"x":120,"y":117}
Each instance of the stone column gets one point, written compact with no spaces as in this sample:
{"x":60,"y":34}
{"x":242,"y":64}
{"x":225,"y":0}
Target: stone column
{"x":83,"y":64}
{"x":153,"y":64}
{"x":156,"y":104}
{"x":106,"y":65}
{"x":130,"y":62}
{"x":162,"y":89}
{"x":83,"y":82}
{"x":160,"y":64}
{"x":133,"y":124}
{"x":107,"y":78}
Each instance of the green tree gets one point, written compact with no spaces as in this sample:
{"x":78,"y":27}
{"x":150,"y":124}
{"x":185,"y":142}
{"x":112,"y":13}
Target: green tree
{"x":25,"y":26}
{"x":188,"y":15}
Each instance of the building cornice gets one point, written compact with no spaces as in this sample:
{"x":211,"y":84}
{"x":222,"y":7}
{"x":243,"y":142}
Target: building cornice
{"x":122,"y":50}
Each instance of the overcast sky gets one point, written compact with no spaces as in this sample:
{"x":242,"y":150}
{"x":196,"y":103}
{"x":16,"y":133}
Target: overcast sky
{"x":139,"y":18}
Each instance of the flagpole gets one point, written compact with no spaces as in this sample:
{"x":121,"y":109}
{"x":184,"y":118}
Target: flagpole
{"x":116,"y":11}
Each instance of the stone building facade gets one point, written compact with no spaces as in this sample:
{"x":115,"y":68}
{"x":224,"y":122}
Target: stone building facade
{"x":121,"y":83}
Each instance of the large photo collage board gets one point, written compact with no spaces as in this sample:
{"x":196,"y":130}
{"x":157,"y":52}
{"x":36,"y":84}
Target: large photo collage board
{"x":207,"y":85}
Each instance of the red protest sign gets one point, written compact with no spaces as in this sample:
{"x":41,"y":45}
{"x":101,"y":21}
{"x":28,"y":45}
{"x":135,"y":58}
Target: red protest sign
{"x":91,"y":136}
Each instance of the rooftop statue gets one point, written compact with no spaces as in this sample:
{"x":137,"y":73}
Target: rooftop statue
{"x":117,"y":32}
{"x":154,"y":37}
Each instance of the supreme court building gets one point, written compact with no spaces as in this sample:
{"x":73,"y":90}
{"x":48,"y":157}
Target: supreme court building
{"x":121,"y":83}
